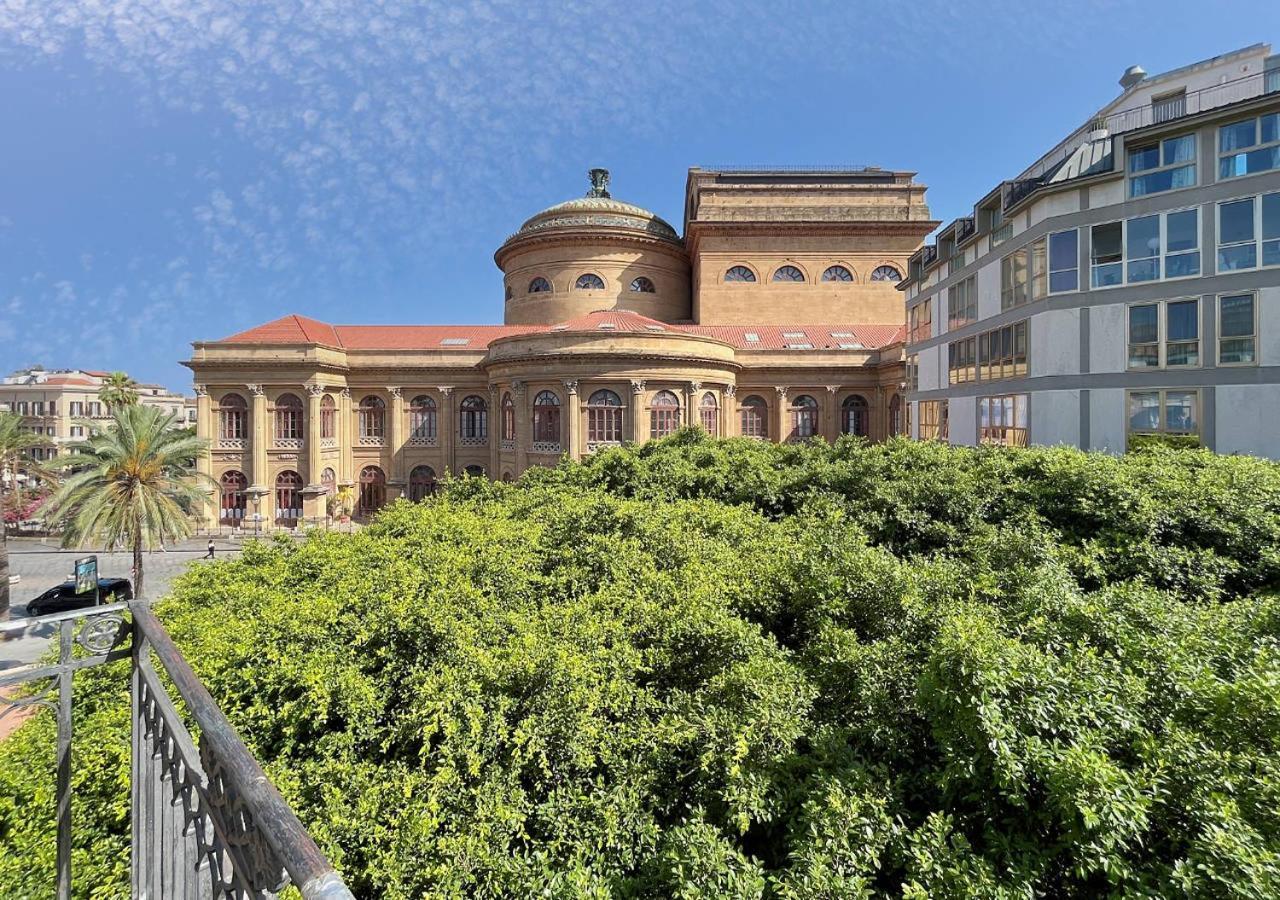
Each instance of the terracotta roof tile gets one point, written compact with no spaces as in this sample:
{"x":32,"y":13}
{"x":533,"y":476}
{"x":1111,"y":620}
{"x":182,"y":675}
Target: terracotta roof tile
{"x":613,"y":320}
{"x":426,"y":337}
{"x":821,"y":337}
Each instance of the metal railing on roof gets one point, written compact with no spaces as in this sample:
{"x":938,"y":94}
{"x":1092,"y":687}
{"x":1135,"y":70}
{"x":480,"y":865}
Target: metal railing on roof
{"x":1157,"y":111}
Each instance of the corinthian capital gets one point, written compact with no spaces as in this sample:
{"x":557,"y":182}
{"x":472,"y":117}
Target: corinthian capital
{"x":255,"y":389}
{"x":637,"y":386}
{"x":315,"y":390}
{"x":571,"y":386}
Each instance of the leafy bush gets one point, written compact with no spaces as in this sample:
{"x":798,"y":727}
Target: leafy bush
{"x":730,"y":669}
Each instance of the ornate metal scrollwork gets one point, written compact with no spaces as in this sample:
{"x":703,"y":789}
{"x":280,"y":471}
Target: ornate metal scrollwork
{"x":253,"y":860}
{"x":100,"y":634}
{"x":43,"y":697}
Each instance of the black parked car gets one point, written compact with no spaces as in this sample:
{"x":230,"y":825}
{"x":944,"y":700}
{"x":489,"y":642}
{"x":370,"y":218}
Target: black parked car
{"x":64,"y":596}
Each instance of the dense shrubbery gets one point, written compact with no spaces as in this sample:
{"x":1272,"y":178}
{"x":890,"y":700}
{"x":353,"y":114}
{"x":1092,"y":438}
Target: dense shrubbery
{"x":728,"y":669}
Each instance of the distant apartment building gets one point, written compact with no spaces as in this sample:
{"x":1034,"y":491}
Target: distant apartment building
{"x":1126,"y":284}
{"x":59,"y":403}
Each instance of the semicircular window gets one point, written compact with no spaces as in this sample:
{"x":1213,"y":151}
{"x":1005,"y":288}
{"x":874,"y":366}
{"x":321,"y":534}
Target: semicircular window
{"x":837,"y":273}
{"x":589,"y":281}
{"x":886,"y":273}
{"x":788,"y":273}
{"x":642,"y":285}
{"x":739,"y":273}
{"x":539,"y":285}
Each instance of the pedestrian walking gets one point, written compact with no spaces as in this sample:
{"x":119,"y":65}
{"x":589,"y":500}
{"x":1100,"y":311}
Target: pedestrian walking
{"x":209,"y":555}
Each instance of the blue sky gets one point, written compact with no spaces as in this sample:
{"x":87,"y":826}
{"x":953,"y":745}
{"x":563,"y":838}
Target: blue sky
{"x":178,"y":170}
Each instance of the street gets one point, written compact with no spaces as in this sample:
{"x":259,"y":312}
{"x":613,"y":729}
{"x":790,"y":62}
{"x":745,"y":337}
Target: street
{"x":42,"y":564}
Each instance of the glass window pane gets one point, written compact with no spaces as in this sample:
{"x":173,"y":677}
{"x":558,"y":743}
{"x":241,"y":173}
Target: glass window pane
{"x":1186,"y":353}
{"x":1182,"y":320}
{"x":1144,"y":324}
{"x":1270,"y":216}
{"x":1143,"y":243}
{"x":1144,"y":356}
{"x":1236,"y":222}
{"x":1235,"y":315}
{"x":1271,"y":253}
{"x":1270,"y":127}
{"x":1064,"y":281}
{"x":1144,"y":411}
{"x":1180,"y":149}
{"x":1106,"y":242}
{"x":1064,"y":252}
{"x":1143,"y":158}
{"x":1237,"y":136}
{"x":1244,"y":256}
{"x":1236,"y":351}
{"x":1180,"y":411}
{"x":1181,"y":231}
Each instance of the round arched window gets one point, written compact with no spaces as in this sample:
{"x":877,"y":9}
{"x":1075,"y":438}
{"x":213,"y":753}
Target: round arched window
{"x":234,"y":498}
{"x":373,"y":491}
{"x":837,"y":273}
{"x":589,"y":281}
{"x":853,"y":415}
{"x":604,"y":418}
{"x":422,"y":483}
{"x":753,"y":418}
{"x":709,"y":414}
{"x":539,"y":285}
{"x":642,"y":285}
{"x":886,"y":273}
{"x":804,"y":418}
{"x":546,"y":418}
{"x":739,"y":273}
{"x":664,"y":414}
{"x":788,"y":273}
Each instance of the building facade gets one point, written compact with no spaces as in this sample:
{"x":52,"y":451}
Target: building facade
{"x":61,"y":404}
{"x":774,"y":316}
{"x":1125,"y":287}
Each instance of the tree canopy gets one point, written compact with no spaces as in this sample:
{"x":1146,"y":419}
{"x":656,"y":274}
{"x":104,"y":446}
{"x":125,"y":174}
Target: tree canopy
{"x":729,"y":669}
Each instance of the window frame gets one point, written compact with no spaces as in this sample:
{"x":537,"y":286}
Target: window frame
{"x":608,"y":418}
{"x":1003,"y":440}
{"x":1162,"y":394}
{"x":759,"y":411}
{"x":1258,"y":145}
{"x":725,"y":279}
{"x":578,"y":286}
{"x":1050,"y":271}
{"x":1162,"y":335}
{"x":774,"y":279}
{"x":1217,"y":330}
{"x":1131,"y":177}
{"x":969,"y":311}
{"x":920,"y":321}
{"x":1258,"y":242}
{"x":935,"y":422}
{"x":1161,"y":257}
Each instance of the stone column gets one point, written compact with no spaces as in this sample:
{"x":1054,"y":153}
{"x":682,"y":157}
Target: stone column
{"x":831,"y":414}
{"x":780,"y":429}
{"x":878,"y":426}
{"x":260,"y":479}
{"x":313,"y":496}
{"x":639,"y":426}
{"x":691,"y":409}
{"x":575,"y":420}
{"x":495,"y":432}
{"x":395,"y":444}
{"x":444,"y":428}
{"x":204,"y":461}
{"x":729,"y":411}
{"x":524,"y":426}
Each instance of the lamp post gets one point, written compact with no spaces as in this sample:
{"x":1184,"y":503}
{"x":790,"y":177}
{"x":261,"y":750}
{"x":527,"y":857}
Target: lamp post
{"x":257,"y":515}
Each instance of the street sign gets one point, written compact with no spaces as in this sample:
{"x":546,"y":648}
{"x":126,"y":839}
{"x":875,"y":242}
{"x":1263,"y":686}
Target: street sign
{"x":86,"y":574}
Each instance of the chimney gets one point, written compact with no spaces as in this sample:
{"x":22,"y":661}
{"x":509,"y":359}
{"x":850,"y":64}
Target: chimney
{"x":1132,"y":75}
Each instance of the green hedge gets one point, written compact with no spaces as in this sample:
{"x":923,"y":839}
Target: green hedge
{"x":729,"y":669}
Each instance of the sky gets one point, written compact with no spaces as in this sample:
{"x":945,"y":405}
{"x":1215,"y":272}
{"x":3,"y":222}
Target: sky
{"x":180,"y":170}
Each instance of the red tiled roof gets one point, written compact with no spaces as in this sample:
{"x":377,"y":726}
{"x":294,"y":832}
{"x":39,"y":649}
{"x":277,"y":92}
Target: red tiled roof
{"x":300,"y":330}
{"x":70,"y":380}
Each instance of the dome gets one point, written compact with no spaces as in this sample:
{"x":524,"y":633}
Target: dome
{"x":598,"y":210}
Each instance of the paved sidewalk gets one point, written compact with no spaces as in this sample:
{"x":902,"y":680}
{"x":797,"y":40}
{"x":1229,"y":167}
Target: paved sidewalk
{"x":42,"y":564}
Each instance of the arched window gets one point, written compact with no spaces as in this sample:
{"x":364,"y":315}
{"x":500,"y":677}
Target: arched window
{"x":754,"y":418}
{"x":373,"y":491}
{"x":474,"y":471}
{"x":507,"y":295}
{"x":473,"y":419}
{"x":589,"y":281}
{"x":709,"y":414}
{"x":604,"y":418}
{"x":508,"y":418}
{"x":506,"y":477}
{"x":539,"y":285}
{"x":422,"y":419}
{"x":895,"y":414}
{"x":329,"y":481}
{"x":886,"y":273}
{"x":235,"y":497}
{"x":288,"y":498}
{"x":546,"y":418}
{"x":642,"y":285}
{"x":739,"y":273}
{"x":422,"y":483}
{"x":788,"y":273}
{"x":837,"y":273}
{"x":804,"y":418}
{"x":664,"y":414}
{"x":854,"y":416}
{"x":328,"y":418}
{"x":373,"y":416}
{"x":288,"y":415}
{"x":231,"y":416}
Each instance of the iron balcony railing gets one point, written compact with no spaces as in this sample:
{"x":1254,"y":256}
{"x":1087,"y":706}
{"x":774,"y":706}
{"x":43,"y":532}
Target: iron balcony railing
{"x":1161,"y":110}
{"x":206,"y":821}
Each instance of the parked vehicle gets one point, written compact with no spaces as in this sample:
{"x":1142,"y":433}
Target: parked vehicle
{"x":63,"y":597}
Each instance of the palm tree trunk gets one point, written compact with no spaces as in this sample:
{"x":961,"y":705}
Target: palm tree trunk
{"x":4,"y":573}
{"x":137,"y":567}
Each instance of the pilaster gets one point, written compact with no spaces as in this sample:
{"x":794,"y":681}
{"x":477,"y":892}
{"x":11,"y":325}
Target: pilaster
{"x":448,"y":440}
{"x":729,"y":411}
{"x":204,"y":460}
{"x":395,"y":445}
{"x":639,"y":422}
{"x":575,"y":420}
{"x":524,"y":426}
{"x":831,"y":414}
{"x":496,"y":425}
{"x":691,"y":413}
{"x":780,"y":430}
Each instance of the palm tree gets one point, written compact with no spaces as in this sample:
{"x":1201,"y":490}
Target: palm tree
{"x":131,"y":484}
{"x":118,"y":389}
{"x":16,"y":444}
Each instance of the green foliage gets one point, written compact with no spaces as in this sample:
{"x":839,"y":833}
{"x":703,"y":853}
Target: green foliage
{"x":728,"y":669}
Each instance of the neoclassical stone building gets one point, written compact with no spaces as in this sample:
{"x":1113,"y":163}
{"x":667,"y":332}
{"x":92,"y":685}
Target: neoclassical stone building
{"x":774,"y":317}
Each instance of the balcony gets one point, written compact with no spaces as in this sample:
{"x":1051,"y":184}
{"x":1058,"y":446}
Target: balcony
{"x":206,"y":821}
